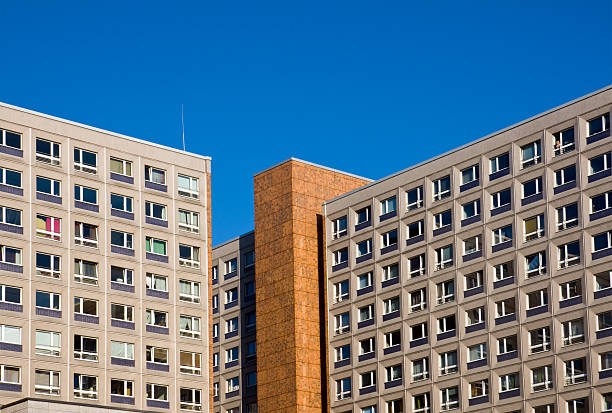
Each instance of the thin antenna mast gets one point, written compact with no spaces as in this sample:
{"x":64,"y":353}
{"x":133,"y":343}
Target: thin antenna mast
{"x":183,"y":125}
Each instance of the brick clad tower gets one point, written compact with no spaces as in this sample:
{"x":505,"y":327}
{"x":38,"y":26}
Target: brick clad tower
{"x":290,"y":284}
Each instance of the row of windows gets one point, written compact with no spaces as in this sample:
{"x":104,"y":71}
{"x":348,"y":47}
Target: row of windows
{"x":86,"y":387}
{"x":232,"y":385}
{"x":232,"y":354}
{"x":49,"y":152}
{"x":230,"y":266}
{"x":529,"y":190}
{"x":231,"y":325}
{"x":231,"y":295}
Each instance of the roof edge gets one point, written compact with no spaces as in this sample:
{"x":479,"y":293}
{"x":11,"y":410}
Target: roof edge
{"x":233,"y":239}
{"x":93,"y":128}
{"x":327,"y":168}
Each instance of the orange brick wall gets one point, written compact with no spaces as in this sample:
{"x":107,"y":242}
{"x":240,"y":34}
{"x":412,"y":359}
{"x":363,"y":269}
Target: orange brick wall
{"x":288,"y":198}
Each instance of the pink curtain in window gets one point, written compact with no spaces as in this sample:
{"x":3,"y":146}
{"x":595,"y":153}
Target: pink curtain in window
{"x":55,"y":223}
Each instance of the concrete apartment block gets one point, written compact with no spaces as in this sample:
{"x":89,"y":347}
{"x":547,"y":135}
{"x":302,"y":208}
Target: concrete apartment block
{"x":479,"y":280}
{"x":104,"y":269}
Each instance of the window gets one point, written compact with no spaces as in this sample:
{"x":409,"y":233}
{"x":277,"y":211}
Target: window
{"x":189,"y":326}
{"x":156,"y":246}
{"x":418,"y":300}
{"x":122,"y":350}
{"x":601,"y":202}
{"x":449,"y":398}
{"x":85,"y":194}
{"x":156,"y":318}
{"x":420,"y":403}
{"x":251,"y":349}
{"x":473,"y":280}
{"x":369,"y":409}
{"x":85,"y":348}
{"x":416,"y":265}
{"x":420,"y":369}
{"x":47,"y":382}
{"x":85,"y":234}
{"x":122,"y":312}
{"x":508,"y":382}
{"x":446,"y":291}
{"x":157,"y":392}
{"x":599,"y":163}
{"x":365,"y":280}
{"x":157,"y":211}
{"x":343,"y":352}
{"x":9,"y":294}
{"x":215,"y":330}
{"x":121,"y":275}
{"x":231,"y":295}
{"x":188,"y":186}
{"x":469,"y":174}
{"x":48,"y":186}
{"x":158,"y":355}
{"x":414,"y":198}
{"x":343,"y":388}
{"x":191,"y":399}
{"x":367,"y":346}
{"x":251,"y":379}
{"x":388,"y":239}
{"x":395,"y":406}
{"x":604,"y":320}
{"x":537,"y":299}
{"x":575,"y":371}
{"x":536,"y":264}
{"x":366,"y":312}
{"x":85,"y":161}
{"x":339,"y":227}
{"x":501,"y":235}
{"x":122,"y":203}
{"x":190,"y":363}
{"x":500,"y":162}
{"x":10,"y":216}
{"x":155,"y":175}
{"x":571,"y":289}
{"x":48,"y":151}
{"x":446,"y":324}
{"x":364,"y":247}
{"x":48,"y":227}
{"x":48,"y":265}
{"x":390,"y":272}
{"x":602,"y":241}
{"x":479,"y":388}
{"x":120,"y":166}
{"x":598,"y":124}
{"x":367,"y":379}
{"x":471,"y":209}
{"x":507,"y":345}
{"x":569,"y":254}
{"x":534,"y":227}
{"x":418,"y":331}
{"x":10,"y":177}
{"x":122,"y":239}
{"x":477,"y":352}
{"x":189,"y":291}
{"x":475,"y":316}
{"x":388,"y":205}
{"x":443,"y":219}
{"x":605,"y":360}
{"x":564,"y":142}
{"x":189,"y":221}
{"x":415,"y":229}
{"x":85,"y":387}
{"x":156,"y":282}
{"x":531,"y":154}
{"x":10,"y":334}
{"x":85,"y":272}
{"x":503,"y":271}
{"x":340,"y":256}
{"x":342,"y":323}
{"x":531,"y":188}
{"x":124,"y":388}
{"x":501,"y":198}
{"x":565,"y":175}
{"x":505,"y":307}
{"x":567,"y":216}
{"x":539,"y":340}
{"x":48,"y":343}
{"x":51,"y":301}
{"x":607,"y":401}
{"x":603,"y":280}
{"x":441,"y":188}
{"x":541,"y":378}
{"x":215,"y":302}
{"x":472,"y":245}
{"x":448,"y":363}
{"x":393,"y":338}
{"x":86,"y":306}
{"x":189,"y":256}
{"x":573,"y":332}
{"x":363,"y":215}
{"x":341,"y":291}
{"x":393,"y":372}
{"x":444,"y":257}
{"x":578,"y":405}
{"x":391,"y":305}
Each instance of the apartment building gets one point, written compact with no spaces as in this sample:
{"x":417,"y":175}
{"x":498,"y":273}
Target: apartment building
{"x":104,"y":258}
{"x":234,"y":357}
{"x":479,"y":280}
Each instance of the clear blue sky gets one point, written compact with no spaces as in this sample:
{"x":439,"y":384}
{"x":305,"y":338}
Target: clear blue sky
{"x":366,"y":87}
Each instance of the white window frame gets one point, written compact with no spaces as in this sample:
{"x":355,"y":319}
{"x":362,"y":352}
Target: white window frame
{"x":421,"y":269}
{"x":495,"y":167}
{"x":479,"y":279}
{"x":438,"y":193}
{"x":541,"y":297}
{"x":196,"y":358}
{"x":541,"y":269}
{"x":571,"y":338}
{"x":564,"y":260}
{"x":538,"y":187}
{"x":505,"y":382}
{"x":367,"y":276}
{"x":368,"y":245}
{"x":80,"y":166}
{"x":154,"y":315}
{"x":3,"y":210}
{"x":342,"y":352}
{"x":86,"y":242}
{"x":371,"y":375}
{"x":149,"y":210}
{"x":478,"y":245}
{"x":575,"y":375}
{"x":439,"y":219}
{"x":49,"y":389}
{"x":608,"y":237}
{"x":189,"y":193}
{"x":476,"y":204}
{"x":192,"y":217}
{"x":128,"y":388}
{"x":152,"y":241}
{"x":53,"y":158}
{"x":563,"y":222}
{"x":341,"y":293}
{"x":124,"y":164}
{"x":342,"y":393}
{"x":480,"y":348}
{"x":193,"y":405}
{"x":445,"y":399}
{"x":602,"y":274}
{"x":536,"y":159}
{"x":52,"y":185}
{"x":566,"y":289}
{"x":388,"y":205}
{"x":3,"y":333}
{"x":390,"y":272}
{"x":366,"y":311}
{"x":3,"y":177}
{"x":82,"y":354}
{"x":337,"y":256}
{"x":126,"y":351}
{"x":82,"y":278}
{"x":482,"y":388}
{"x":475,"y":173}
{"x":560,"y":178}
{"x":48,"y":350}
{"x":606,"y":163}
{"x":80,"y":189}
{"x":426,"y":404}
{"x":442,"y":263}
{"x":125,"y":199}
{"x":605,"y":121}
{"x":499,"y":237}
{"x":410,"y":206}
{"x":386,"y":239}
{"x":232,"y":384}
{"x":443,"y":288}
{"x":503,"y":342}
{"x":388,"y":305}
{"x":128,"y":239}
{"x":424,"y":374}
{"x":81,"y":392}
{"x":337,"y":230}
{"x":367,"y":213}
{"x":496,"y":199}
{"x":607,"y":200}
{"x":422,"y":304}
{"x":561,"y":148}
{"x":52,"y":272}
{"x":81,"y":306}
{"x":150,"y":169}
{"x":190,"y":262}
{"x":540,"y":229}
{"x":443,"y":321}
{"x":445,"y":366}
{"x":50,"y":235}
{"x":500,"y":307}
{"x":371,"y":346}
{"x":150,"y":354}
{"x":547,"y":384}
{"x":150,"y":389}
{"x":193,"y":333}
{"x":128,"y":313}
{"x":479,"y":312}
